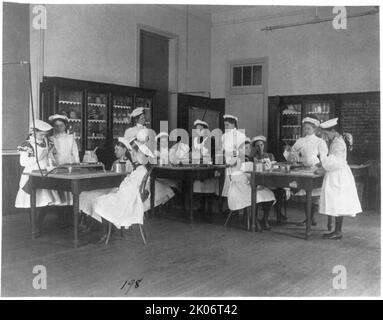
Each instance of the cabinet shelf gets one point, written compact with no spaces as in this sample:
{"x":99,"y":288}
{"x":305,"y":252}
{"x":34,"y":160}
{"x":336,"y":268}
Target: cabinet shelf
{"x":70,"y":102}
{"x":312,"y":112}
{"x":121,"y":107}
{"x":291,"y":126}
{"x":102,"y":105}
{"x":121,"y":122}
{"x":74,"y":120}
{"x":96,"y":138}
{"x":96,"y":121}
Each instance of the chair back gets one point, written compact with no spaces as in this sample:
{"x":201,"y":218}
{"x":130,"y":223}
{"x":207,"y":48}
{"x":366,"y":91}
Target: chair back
{"x":144,"y":193}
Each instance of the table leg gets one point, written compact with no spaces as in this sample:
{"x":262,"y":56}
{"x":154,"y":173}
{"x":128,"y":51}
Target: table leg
{"x":152,"y":192}
{"x":34,"y":231}
{"x":76,"y":209}
{"x":221,"y":183}
{"x":191,"y":181}
{"x":308,"y":212}
{"x":254,"y":208}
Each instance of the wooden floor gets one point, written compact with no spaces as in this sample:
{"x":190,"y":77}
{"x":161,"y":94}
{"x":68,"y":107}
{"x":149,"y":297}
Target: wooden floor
{"x":202,"y":259}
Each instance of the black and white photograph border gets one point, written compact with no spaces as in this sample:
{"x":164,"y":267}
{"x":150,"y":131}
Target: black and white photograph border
{"x":190,"y":150}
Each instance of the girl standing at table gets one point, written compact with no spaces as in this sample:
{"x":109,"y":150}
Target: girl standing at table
{"x":34,"y":156}
{"x":64,"y":150}
{"x":203,"y":153}
{"x":232,"y":139}
{"x":339,"y":196}
{"x":309,"y":150}
{"x":139,"y":120}
{"x":239,"y":193}
{"x":179,"y":153}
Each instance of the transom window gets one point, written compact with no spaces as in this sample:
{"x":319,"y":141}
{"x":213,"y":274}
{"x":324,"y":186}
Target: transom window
{"x":246,"y":75}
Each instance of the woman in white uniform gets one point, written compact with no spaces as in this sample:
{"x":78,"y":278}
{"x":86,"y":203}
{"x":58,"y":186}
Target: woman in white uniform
{"x":179,"y":153}
{"x":203,"y":153}
{"x":138,"y":118}
{"x":124,"y":206}
{"x":64,"y":150}
{"x":239,"y":193}
{"x":231,"y":140}
{"x":339,"y":196}
{"x":34,"y":154}
{"x":309,"y":150}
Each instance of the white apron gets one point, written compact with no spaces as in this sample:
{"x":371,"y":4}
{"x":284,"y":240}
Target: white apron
{"x":44,"y":197}
{"x":65,"y":151}
{"x":239,"y":193}
{"x":307,"y":149}
{"x":131,"y":132}
{"x":339,"y":196}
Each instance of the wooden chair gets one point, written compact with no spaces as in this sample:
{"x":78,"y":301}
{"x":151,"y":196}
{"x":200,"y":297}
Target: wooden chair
{"x":144,"y":193}
{"x":246,"y":212}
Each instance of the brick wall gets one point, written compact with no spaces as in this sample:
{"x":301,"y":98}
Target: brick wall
{"x":360,"y":115}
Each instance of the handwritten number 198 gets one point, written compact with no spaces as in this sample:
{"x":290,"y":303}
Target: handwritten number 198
{"x":130,"y":284}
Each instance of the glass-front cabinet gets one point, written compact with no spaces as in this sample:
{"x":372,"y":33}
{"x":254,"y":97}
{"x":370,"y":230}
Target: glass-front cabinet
{"x":98,"y":113}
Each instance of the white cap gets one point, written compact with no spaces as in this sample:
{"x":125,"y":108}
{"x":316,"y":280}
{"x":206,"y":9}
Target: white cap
{"x":247,"y":139}
{"x":259,"y":138}
{"x":137,"y":112}
{"x":162,"y":134}
{"x":144,"y":149}
{"x":203,"y":123}
{"x":229,"y":116}
{"x":41,"y":125}
{"x":142,"y":135}
{"x":329,"y":123}
{"x":315,"y":122}
{"x":58,"y":117}
{"x":124,"y":141}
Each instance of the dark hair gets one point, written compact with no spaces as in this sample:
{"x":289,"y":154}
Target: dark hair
{"x":232,"y":121}
{"x":346,"y":136}
{"x":127,"y":153}
{"x":135,"y":119}
{"x":63,"y":121}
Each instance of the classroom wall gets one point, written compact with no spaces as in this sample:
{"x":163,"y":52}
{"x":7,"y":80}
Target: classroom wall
{"x":15,"y":104}
{"x":99,"y":43}
{"x":308,"y":59}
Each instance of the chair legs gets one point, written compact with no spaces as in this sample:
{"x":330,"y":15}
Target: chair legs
{"x":228,"y":218}
{"x":109,"y":231}
{"x":246,"y":212}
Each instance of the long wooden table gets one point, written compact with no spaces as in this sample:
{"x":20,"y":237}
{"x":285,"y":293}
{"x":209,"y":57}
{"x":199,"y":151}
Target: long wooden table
{"x":72,"y":182}
{"x":270,"y":179}
{"x":190,"y":173}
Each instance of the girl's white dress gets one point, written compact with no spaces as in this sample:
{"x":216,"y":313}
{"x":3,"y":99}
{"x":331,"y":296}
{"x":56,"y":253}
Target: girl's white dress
{"x":307,"y":149}
{"x":339,"y":196}
{"x":88,"y":199}
{"x":65,"y":151}
{"x":28,"y":155}
{"x":231,"y":141}
{"x":239,"y":193}
{"x":123,"y":206}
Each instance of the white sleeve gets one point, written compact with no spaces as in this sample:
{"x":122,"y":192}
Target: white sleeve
{"x":336,"y":159}
{"x":322,"y":149}
{"x":25,"y":159}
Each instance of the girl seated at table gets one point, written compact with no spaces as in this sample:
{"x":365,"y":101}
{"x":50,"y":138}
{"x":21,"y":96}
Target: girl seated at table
{"x":124,"y":206}
{"x":339,"y":196}
{"x":309,"y":150}
{"x":239,"y":193}
{"x":259,"y":153}
{"x":203,"y":153}
{"x":87,"y":198}
{"x":34,"y":156}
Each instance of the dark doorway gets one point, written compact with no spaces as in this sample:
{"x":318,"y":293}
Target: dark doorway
{"x":154,"y":72}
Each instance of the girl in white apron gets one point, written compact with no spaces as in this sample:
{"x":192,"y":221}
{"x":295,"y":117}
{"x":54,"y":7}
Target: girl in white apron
{"x":88,"y":198}
{"x":239,"y":193}
{"x":339,"y":196}
{"x":64,"y":150}
{"x":139,"y":120}
{"x":34,"y":153}
{"x":258,"y":152}
{"x":203,"y":153}
{"x":231,"y":140}
{"x":179,"y":153}
{"x":124,"y":206}
{"x":309,"y":150}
